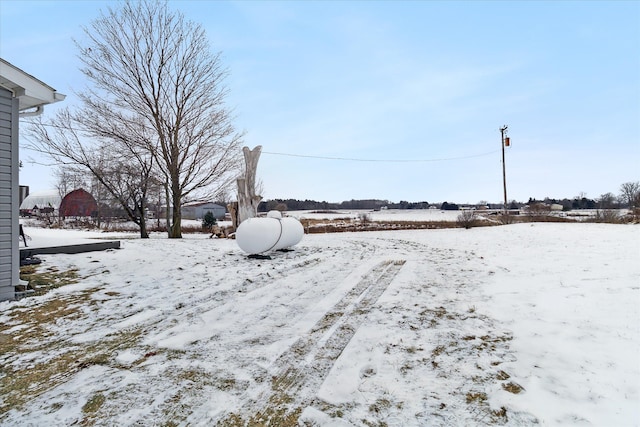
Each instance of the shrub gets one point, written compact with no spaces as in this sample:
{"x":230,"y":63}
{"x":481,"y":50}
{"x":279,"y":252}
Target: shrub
{"x":208,"y":221}
{"x":364,"y":218}
{"x":467,"y":219}
{"x":506,"y":218}
{"x":610,"y":216}
{"x":538,"y":209}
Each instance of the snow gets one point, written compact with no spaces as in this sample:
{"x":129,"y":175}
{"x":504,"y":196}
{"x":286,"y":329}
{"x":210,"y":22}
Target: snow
{"x":382,"y":215}
{"x":533,"y":323}
{"x":42,"y":199}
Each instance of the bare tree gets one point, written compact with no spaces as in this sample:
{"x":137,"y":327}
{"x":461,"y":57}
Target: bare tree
{"x":607,"y":201}
{"x":69,"y":178}
{"x":130,"y":182}
{"x":157,"y":84}
{"x":123,"y":170}
{"x":539,"y":209}
{"x":467,"y":218}
{"x":630,"y":193}
{"x":104,"y":201}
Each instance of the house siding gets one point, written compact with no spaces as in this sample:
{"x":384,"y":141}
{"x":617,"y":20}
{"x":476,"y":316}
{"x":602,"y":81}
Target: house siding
{"x":9,"y":251}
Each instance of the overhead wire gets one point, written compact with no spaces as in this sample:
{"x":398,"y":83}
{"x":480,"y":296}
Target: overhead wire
{"x":350,"y":159}
{"x":354,"y":159}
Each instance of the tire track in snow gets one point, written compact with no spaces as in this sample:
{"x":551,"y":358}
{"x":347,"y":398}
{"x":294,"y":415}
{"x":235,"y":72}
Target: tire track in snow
{"x":253,"y":279}
{"x":300,"y":371}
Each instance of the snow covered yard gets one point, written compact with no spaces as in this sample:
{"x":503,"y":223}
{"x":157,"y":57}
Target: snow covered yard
{"x":512,"y":325}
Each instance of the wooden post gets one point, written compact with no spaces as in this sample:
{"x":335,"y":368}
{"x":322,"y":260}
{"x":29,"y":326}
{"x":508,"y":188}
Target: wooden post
{"x":504,"y":172}
{"x":233,"y":212}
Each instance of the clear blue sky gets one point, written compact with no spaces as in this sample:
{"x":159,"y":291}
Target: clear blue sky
{"x":418,"y":80}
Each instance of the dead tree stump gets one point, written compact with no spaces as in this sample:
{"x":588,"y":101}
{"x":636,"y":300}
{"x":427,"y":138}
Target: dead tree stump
{"x":248,"y":200}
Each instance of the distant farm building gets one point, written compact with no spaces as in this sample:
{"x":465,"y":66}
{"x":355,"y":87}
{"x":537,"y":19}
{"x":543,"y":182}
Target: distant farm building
{"x":78,"y":203}
{"x":43,"y":202}
{"x":199,"y":210}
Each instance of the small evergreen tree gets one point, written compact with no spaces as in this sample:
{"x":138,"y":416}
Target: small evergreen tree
{"x":208,"y":221}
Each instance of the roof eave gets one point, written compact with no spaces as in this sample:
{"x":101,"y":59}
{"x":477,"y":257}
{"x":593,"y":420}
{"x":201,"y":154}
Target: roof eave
{"x":31,"y":92}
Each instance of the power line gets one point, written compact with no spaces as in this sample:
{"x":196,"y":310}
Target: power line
{"x":352,"y":159}
{"x":348,"y":159}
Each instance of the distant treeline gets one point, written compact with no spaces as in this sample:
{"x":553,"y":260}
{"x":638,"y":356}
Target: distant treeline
{"x":311,"y":205}
{"x":577,"y":203}
{"x":376,"y":204}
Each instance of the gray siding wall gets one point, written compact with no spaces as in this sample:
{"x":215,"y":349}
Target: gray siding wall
{"x":9,"y":250}
{"x":217,"y":211}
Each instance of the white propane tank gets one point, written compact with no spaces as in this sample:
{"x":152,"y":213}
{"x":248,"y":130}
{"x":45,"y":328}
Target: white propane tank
{"x":258,"y":235}
{"x":292,"y":232}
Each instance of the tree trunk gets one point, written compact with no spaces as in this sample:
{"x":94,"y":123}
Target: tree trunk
{"x":248,"y":200}
{"x":167,"y":208}
{"x":143,"y":224}
{"x":176,"y":226}
{"x":233,"y":213}
{"x":158,"y":214}
{"x":98,"y":212}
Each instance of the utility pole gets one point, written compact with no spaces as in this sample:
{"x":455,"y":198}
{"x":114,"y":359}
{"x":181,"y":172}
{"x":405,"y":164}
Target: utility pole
{"x":504,"y":141}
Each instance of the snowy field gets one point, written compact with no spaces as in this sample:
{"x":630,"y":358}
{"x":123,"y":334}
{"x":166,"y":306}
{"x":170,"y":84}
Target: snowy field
{"x":416,"y":215}
{"x":382,"y":215}
{"x":524,"y":324}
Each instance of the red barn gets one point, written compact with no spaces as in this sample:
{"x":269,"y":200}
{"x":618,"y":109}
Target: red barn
{"x":78,"y":203}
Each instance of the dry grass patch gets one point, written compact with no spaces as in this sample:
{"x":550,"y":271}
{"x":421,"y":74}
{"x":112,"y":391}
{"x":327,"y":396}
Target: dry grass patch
{"x":276,"y":414}
{"x":339,"y":225}
{"x":20,"y":384}
{"x":476,"y":397}
{"x":34,"y":358}
{"x":512,"y":387}
{"x":51,"y":278}
{"x":91,"y":408}
{"x":52,"y":363}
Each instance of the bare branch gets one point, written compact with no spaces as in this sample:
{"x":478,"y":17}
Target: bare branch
{"x":158,"y":89}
